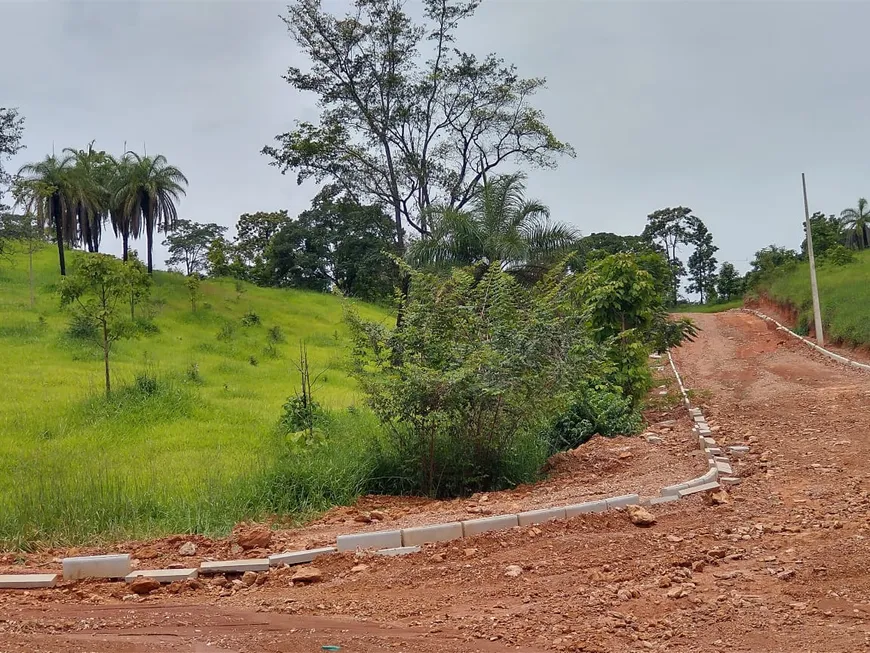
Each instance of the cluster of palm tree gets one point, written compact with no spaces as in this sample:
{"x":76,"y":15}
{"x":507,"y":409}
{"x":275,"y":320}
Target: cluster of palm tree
{"x":501,"y":224}
{"x":77,"y":193}
{"x":856,"y":223}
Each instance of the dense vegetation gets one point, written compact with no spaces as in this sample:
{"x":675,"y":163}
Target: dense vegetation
{"x":253,"y":385}
{"x":844,"y":294}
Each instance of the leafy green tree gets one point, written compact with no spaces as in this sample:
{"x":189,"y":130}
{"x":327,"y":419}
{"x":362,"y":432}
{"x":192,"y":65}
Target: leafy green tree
{"x":602,"y":244}
{"x":767,"y":260}
{"x":151,"y":188}
{"x":194,"y":290}
{"x":486,"y":363}
{"x":499,"y":225}
{"x":729,"y":284}
{"x":669,"y":229}
{"x":399,"y":130}
{"x":828,"y":232}
{"x":254,"y":234}
{"x":45,"y":189}
{"x":97,"y":290}
{"x":188,"y":245}
{"x":336,"y":243}
{"x":11,"y":131}
{"x":222,"y":260}
{"x":857,"y":222}
{"x":702,"y":262}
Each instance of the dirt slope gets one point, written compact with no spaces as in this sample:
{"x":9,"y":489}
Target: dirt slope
{"x":781,"y":567}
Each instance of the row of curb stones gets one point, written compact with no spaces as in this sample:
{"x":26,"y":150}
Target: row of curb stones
{"x":404,"y":541}
{"x":809,"y":343}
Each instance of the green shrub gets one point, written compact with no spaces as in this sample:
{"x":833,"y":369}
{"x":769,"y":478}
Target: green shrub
{"x":250,"y":318}
{"x":146,"y":383}
{"x":81,"y":327}
{"x":276,"y":336}
{"x":462,"y":387}
{"x":192,"y":373}
{"x":594,"y":411}
{"x":227,"y":332}
{"x":838,"y":255}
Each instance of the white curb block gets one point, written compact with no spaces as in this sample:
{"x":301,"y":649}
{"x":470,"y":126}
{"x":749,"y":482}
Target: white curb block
{"x":299,"y":557}
{"x":435,"y":533}
{"x":488,"y":524}
{"x":27,"y":581}
{"x":234,"y":566}
{"x":540,"y":516}
{"x":163,"y":575}
{"x":623,"y":501}
{"x":585,"y":508}
{"x":376,"y":540}
{"x":105,"y":566}
{"x":400,"y":551}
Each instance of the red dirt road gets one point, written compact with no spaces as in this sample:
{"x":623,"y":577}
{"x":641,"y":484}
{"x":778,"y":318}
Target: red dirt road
{"x":783,"y":566}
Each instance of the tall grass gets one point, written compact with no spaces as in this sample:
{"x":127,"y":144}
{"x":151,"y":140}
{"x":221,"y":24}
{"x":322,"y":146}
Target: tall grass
{"x":844,"y":295}
{"x":196,"y":452}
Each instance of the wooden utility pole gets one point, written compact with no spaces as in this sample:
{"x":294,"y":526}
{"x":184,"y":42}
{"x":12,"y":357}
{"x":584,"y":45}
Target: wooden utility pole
{"x":814,"y":286}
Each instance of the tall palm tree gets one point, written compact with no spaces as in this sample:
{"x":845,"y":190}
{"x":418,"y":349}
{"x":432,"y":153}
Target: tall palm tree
{"x":89,"y":194}
{"x":46,"y":188}
{"x":500,"y":225}
{"x":857,"y":221}
{"x":126,"y":224}
{"x":151,"y":188}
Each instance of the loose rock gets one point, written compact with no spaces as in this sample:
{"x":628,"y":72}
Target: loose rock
{"x":512,"y":571}
{"x":307,"y":575}
{"x":144,"y":585}
{"x":249,"y":578}
{"x":255,"y":538}
{"x":187,"y":549}
{"x":640,"y":516}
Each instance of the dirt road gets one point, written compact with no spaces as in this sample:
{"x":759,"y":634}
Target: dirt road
{"x":782,"y":566}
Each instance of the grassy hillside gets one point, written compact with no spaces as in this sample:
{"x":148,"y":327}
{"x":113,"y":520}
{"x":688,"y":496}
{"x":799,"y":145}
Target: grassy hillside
{"x":198,"y":453}
{"x":844,"y":292}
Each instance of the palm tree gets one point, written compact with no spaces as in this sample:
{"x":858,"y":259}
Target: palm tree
{"x":125,"y":224}
{"x":501,"y":225}
{"x":46,"y":187}
{"x":150,"y":189}
{"x":89,"y":194}
{"x":857,"y":221}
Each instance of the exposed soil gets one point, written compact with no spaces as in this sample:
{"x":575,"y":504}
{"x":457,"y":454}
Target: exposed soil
{"x":782,"y":566}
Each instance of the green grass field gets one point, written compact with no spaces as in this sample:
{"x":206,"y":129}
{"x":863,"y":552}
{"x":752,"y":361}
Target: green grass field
{"x":708,"y":308}
{"x":197,"y":455}
{"x":844,"y":293}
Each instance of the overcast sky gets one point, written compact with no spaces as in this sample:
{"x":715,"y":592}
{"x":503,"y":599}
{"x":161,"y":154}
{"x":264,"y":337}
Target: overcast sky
{"x":715,"y":106}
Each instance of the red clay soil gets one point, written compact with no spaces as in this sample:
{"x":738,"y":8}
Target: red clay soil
{"x":781,"y":566}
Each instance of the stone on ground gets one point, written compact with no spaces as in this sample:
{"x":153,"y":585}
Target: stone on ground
{"x":512,"y":571}
{"x":187,"y":549}
{"x":143,"y":585}
{"x":640,"y":516}
{"x":255,"y":538}
{"x":307,"y":575}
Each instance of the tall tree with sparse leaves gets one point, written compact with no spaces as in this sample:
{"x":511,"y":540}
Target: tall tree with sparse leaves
{"x":407,"y":120}
{"x":669,"y":229}
{"x":702,"y":262}
{"x":11,"y":131}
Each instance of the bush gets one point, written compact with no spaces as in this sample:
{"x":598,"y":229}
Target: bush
{"x":253,"y":360}
{"x":593,"y":412}
{"x":838,"y":255}
{"x":81,"y":327}
{"x":276,"y":336}
{"x":250,"y":318}
{"x":468,"y":380}
{"x":192,"y":373}
{"x":227,"y":332}
{"x":146,"y":383}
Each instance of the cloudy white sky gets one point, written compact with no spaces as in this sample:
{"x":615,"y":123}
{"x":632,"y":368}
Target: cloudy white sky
{"x":716,"y":106}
